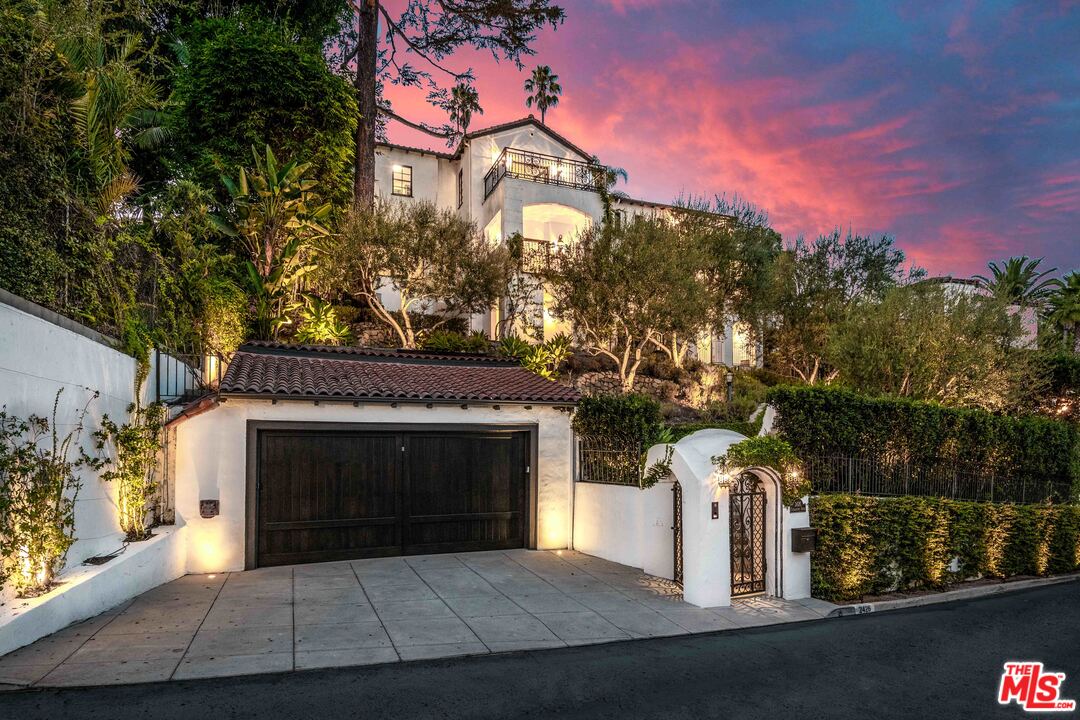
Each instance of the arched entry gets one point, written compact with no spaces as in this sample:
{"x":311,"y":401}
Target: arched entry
{"x":747,"y":506}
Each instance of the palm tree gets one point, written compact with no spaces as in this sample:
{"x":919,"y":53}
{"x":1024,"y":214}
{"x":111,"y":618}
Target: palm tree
{"x":115,"y":109}
{"x":464,"y":101}
{"x":1018,"y":281}
{"x":1063,"y":308}
{"x":544,"y":88}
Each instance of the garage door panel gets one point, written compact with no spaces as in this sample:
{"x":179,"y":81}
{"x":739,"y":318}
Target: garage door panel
{"x":464,"y":491}
{"x":327,"y":495}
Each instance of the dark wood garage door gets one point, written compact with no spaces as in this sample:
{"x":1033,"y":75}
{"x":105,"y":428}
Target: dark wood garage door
{"x":334,"y":495}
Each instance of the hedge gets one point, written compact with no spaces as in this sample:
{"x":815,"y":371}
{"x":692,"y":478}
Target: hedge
{"x":821,"y":421}
{"x":617,"y":418}
{"x":868,"y":546}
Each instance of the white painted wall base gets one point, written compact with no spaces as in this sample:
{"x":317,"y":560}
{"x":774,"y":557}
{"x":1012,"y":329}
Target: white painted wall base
{"x":83,"y":591}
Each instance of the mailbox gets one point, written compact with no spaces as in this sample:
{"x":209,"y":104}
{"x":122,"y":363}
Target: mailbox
{"x":803,"y":540}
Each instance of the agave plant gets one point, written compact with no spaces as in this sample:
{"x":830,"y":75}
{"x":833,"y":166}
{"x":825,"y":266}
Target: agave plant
{"x":1018,"y":280}
{"x":277,"y":225}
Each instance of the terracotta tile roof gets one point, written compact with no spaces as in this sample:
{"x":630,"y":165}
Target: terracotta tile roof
{"x":306,"y":371}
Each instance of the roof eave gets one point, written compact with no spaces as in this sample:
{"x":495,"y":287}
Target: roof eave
{"x":389,"y":400}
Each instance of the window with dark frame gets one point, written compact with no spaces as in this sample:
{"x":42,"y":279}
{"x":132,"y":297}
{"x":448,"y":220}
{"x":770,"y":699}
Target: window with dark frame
{"x":402,"y":180}
{"x":460,"y":187}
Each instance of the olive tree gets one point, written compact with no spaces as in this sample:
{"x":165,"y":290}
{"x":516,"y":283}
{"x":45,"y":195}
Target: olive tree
{"x":815,"y":286}
{"x":437,"y":262}
{"x":921,"y":342}
{"x":625,"y":286}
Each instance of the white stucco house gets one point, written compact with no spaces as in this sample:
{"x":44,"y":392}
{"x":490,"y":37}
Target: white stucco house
{"x":524,"y":178}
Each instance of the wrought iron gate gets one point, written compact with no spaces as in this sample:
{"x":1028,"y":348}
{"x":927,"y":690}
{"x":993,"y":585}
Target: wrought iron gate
{"x":676,"y":527}
{"x":747,"y":535}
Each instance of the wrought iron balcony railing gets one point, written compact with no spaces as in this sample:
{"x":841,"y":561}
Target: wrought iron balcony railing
{"x":541,"y":168}
{"x":535,"y":255}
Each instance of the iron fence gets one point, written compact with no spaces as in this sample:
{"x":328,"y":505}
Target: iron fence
{"x":541,"y":168}
{"x":944,"y":478}
{"x":180,"y":377}
{"x":609,"y":462}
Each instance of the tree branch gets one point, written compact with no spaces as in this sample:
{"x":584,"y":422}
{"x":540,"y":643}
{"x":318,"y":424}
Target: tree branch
{"x":415,"y":126}
{"x":395,"y":29}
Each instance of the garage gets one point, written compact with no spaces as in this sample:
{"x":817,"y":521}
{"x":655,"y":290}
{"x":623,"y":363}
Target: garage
{"x":366,"y":491}
{"x":311,"y":454}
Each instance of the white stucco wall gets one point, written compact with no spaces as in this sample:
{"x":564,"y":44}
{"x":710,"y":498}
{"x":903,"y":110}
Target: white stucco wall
{"x":626,"y":524}
{"x":211,"y":464}
{"x":38,"y":357}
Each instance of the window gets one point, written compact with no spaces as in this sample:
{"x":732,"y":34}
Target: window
{"x":460,"y":187}
{"x":402,"y":180}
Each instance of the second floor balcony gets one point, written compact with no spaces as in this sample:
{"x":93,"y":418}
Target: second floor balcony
{"x":541,"y":168}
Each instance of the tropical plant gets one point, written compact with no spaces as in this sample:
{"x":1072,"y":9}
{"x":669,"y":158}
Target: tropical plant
{"x":454,"y":342}
{"x":544,"y":88}
{"x":319,"y":323}
{"x":430,"y":257}
{"x":130,"y":454}
{"x":1063,"y":310}
{"x":39,"y":483}
{"x":464,"y":102}
{"x":1019,"y":281}
{"x":273,"y":219}
{"x":604,"y":179}
{"x":116,"y":108}
{"x":545,"y":359}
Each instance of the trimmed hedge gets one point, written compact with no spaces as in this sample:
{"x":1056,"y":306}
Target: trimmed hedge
{"x":820,"y":421}
{"x":620,"y":418}
{"x":868,"y":546}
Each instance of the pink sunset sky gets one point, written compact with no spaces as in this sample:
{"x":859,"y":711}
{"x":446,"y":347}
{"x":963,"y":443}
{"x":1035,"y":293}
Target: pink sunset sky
{"x":953,"y":126}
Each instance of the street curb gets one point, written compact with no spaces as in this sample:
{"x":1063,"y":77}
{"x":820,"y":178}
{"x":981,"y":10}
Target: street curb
{"x":949,"y":596}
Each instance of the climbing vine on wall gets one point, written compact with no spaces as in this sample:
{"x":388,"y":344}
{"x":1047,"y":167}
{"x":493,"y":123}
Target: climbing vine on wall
{"x":771,"y":452}
{"x":39,"y":482}
{"x":130,"y":454}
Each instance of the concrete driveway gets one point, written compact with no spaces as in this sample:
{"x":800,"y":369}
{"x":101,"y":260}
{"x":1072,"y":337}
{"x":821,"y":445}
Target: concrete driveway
{"x":375,"y":611}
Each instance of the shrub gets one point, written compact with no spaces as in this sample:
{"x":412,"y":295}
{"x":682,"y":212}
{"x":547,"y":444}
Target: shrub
{"x":631,"y":417}
{"x":829,"y":421}
{"x":38,"y":484}
{"x":869,"y":545}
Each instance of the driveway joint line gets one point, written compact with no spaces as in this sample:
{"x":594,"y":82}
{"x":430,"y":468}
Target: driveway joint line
{"x":228,"y":577}
{"x":449,"y":606}
{"x":373,"y":609}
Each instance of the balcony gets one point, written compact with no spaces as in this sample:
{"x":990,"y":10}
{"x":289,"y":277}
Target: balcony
{"x":540,"y":168}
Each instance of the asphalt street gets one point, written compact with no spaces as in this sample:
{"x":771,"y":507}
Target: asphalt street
{"x":941,"y":661}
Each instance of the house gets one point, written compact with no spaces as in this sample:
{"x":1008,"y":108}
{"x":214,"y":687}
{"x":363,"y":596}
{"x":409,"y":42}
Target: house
{"x":310,"y":453}
{"x":524,"y":178}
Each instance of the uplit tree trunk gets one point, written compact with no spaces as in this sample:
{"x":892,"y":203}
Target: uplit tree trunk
{"x":367,"y":39}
